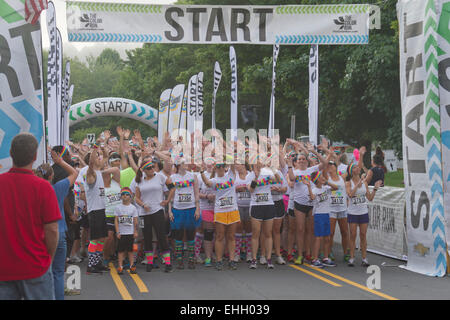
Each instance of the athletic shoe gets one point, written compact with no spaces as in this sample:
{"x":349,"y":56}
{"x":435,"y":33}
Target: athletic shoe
{"x":346,"y":257}
{"x":232,"y":265}
{"x":144,"y":261}
{"x":180,"y":265}
{"x":168,"y":268}
{"x":155,"y":263}
{"x":191,"y":265}
{"x":249,"y":257}
{"x":75,"y":259}
{"x":351,"y":262}
{"x":198,"y":260}
{"x":317,"y":264}
{"x":149,"y":267}
{"x":299,"y":260}
{"x":253,"y":264}
{"x":237,"y":258}
{"x":308,"y":258}
{"x":262,"y":260}
{"x":280,"y":260}
{"x":133,"y":270}
{"x":270,"y":264}
{"x":321,"y":256}
{"x":331,"y":256}
{"x":365,"y":263}
{"x":208,"y":262}
{"x":93,"y":269}
{"x":219,"y":265}
{"x":102,"y":267}
{"x":120,"y":271}
{"x":328,"y":262}
{"x":290,"y":258}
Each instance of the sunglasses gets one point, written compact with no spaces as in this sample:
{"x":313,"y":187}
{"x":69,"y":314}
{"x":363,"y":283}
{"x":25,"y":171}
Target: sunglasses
{"x":221,"y":165}
{"x":149,"y":168}
{"x":126,"y":194}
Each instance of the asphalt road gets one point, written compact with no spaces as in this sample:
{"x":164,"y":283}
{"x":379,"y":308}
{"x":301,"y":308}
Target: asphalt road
{"x":288,"y":282}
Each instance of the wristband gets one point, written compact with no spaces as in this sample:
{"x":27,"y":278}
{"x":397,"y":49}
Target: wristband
{"x":253,"y":184}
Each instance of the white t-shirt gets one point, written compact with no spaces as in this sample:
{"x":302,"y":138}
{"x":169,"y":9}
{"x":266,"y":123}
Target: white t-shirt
{"x":152,"y":193}
{"x":184,"y":191}
{"x":300,"y":193}
{"x":243,"y":197}
{"x":339,"y":196}
{"x":291,"y":198}
{"x":112,"y":197}
{"x":95,"y":193}
{"x":357,"y":205}
{"x":342,"y":168}
{"x":80,"y":204}
{"x":262,"y":195}
{"x":277,"y":196}
{"x":205,"y":204}
{"x":322,"y":201}
{"x":126,"y":215}
{"x":225,"y":188}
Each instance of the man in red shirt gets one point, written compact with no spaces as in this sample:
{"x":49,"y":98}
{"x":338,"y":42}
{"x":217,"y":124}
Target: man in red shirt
{"x":29,"y":217}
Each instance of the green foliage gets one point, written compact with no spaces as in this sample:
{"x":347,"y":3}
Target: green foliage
{"x":394,"y":179}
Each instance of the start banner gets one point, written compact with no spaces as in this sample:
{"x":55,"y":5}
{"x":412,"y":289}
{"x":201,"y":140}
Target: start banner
{"x":288,"y":25}
{"x":421,"y":123}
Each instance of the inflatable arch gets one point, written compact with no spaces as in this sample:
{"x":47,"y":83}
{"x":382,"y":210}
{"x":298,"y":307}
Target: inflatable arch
{"x":113,"y":107}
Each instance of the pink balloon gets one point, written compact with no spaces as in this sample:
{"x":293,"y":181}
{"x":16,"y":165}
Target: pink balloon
{"x":356,"y":154}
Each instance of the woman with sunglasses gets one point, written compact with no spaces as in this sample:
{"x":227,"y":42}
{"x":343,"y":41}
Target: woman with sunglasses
{"x":358,"y":213}
{"x":150,"y":196}
{"x":226,"y":213}
{"x":262,"y":210}
{"x":338,"y":209}
{"x":302,"y":203}
{"x":184,"y":214}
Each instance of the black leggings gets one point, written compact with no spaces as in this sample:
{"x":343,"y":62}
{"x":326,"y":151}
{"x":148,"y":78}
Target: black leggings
{"x":157,"y":221}
{"x":178,"y":234}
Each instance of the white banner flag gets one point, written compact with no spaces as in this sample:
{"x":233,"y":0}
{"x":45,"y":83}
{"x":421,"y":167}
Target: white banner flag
{"x":443,"y":40}
{"x":217,"y":78}
{"x":21,"y":94}
{"x":183,"y":116}
{"x":199,"y":113}
{"x":163,"y":113}
{"x":52,"y":78}
{"x":205,"y":24}
{"x":422,"y":149}
{"x":65,"y":104}
{"x":276,"y":50}
{"x":313,"y":110}
{"x":59,"y":81}
{"x":192,"y":104}
{"x":66,"y":113}
{"x":234,"y":94}
{"x":176,"y":101}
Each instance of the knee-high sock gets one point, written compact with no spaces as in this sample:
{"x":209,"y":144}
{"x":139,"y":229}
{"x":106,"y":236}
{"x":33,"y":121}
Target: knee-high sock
{"x":99,"y":252}
{"x":178,"y":250}
{"x":149,"y":257}
{"x":198,"y":243}
{"x":238,"y":240}
{"x":248,"y":242}
{"x":191,"y":245}
{"x":92,"y":248}
{"x":166,"y":256}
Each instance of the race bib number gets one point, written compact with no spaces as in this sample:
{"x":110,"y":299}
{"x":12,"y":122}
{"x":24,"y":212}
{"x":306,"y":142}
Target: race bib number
{"x":126,"y":220}
{"x":113,"y":198}
{"x":141,"y":222}
{"x":184,"y":197}
{"x":102,"y":192}
{"x":262,"y":197}
{"x":225,"y":202}
{"x":359,"y":200}
{"x":337,"y":198}
{"x":244,"y":195}
{"x":322,"y":197}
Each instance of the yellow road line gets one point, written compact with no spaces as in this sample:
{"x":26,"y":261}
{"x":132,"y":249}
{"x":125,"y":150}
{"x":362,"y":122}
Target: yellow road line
{"x":140,"y":284}
{"x":119,"y":283}
{"x":316,"y":276}
{"x":352,"y":283}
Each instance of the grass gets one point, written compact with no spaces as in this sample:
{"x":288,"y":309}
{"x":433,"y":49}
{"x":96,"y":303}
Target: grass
{"x":394,"y":179}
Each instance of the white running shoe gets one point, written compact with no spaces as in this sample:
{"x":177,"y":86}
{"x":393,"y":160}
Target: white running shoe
{"x":262,"y":260}
{"x":280,"y":260}
{"x":249,"y":257}
{"x":199,"y":260}
{"x":236,"y":258}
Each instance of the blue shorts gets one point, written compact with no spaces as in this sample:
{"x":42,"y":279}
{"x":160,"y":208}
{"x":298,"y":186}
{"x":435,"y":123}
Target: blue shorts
{"x":184,"y":219}
{"x":359,"y":219}
{"x":321,"y":224}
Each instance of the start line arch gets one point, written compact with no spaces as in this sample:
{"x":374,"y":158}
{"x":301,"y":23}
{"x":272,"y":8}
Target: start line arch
{"x":111,"y":106}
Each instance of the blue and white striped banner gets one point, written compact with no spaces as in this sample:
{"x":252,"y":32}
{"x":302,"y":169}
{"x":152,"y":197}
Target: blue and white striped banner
{"x":319,"y":39}
{"x":114,"y":37}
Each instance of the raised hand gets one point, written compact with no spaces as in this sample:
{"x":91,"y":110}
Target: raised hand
{"x":119,"y":131}
{"x":107,"y":134}
{"x":126,"y":133}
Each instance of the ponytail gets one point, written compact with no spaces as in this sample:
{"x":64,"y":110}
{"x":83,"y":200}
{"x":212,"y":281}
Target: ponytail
{"x":139,"y":175}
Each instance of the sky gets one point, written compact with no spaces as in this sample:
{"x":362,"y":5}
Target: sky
{"x":80,"y":49}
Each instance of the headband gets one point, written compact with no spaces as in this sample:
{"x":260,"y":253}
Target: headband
{"x":63,"y":152}
{"x":126,"y":191}
{"x":317,"y":176}
{"x":350,"y":168}
{"x":147,"y":164}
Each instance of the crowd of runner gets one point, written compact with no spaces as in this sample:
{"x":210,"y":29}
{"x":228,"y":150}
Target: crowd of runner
{"x":135,"y":202}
